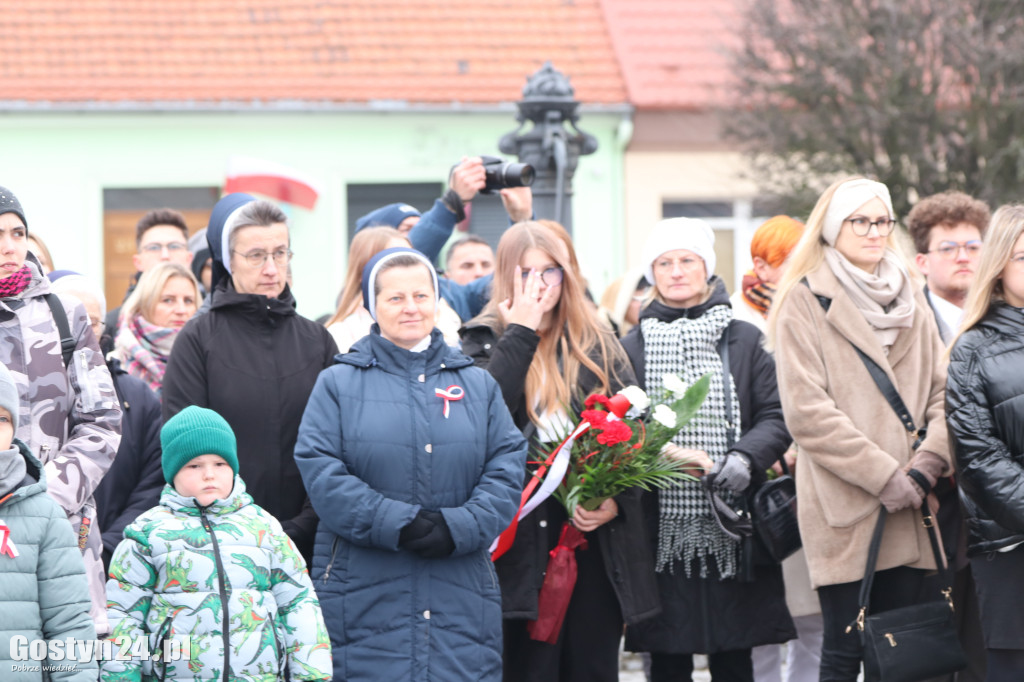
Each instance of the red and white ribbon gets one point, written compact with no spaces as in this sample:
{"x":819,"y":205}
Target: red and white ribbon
{"x":450,"y":394}
{"x":6,"y":544}
{"x":556,"y":465}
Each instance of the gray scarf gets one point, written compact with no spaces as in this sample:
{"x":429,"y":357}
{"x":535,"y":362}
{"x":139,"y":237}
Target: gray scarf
{"x":688,"y":347}
{"x":12,"y":469}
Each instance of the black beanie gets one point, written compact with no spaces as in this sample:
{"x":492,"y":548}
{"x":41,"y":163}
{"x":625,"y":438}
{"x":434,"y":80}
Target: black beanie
{"x":10,"y":204}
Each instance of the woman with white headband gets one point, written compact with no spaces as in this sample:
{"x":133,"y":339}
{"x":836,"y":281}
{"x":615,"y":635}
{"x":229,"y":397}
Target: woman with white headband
{"x":848,"y":289}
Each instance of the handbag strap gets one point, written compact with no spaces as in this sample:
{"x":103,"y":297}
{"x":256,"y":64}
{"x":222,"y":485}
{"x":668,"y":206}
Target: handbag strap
{"x":881,"y":379}
{"x":735,"y":523}
{"x":723,"y":352}
{"x":941,"y":564}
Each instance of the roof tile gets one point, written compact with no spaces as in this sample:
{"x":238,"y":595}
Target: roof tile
{"x":420,"y":51}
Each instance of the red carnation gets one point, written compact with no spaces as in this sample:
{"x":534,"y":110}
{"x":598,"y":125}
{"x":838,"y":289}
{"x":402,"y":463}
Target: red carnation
{"x":596,"y":418}
{"x":596,"y":399}
{"x":614,"y":432}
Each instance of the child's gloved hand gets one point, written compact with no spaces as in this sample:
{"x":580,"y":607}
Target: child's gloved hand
{"x":438,"y":542}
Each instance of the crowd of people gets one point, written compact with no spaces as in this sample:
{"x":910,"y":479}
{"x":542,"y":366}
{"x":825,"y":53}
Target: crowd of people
{"x":315,"y":500}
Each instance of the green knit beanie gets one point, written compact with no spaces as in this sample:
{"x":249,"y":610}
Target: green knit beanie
{"x":193,"y":432}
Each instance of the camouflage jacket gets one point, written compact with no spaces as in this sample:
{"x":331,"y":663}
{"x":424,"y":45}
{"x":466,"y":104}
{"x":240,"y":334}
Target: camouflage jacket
{"x":69,"y":418}
{"x":227,"y":578}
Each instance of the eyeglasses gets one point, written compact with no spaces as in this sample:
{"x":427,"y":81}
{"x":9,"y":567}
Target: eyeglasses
{"x":951,"y":250}
{"x":157,"y":247}
{"x":552,"y":276}
{"x":257,"y":259}
{"x":862,"y":226}
{"x":666,"y":265}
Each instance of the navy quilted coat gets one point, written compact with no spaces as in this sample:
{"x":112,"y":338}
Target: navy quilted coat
{"x":374,"y":448}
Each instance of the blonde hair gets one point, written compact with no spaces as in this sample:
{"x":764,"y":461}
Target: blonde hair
{"x":367,"y":243}
{"x":1003,"y":232}
{"x":809,"y":254}
{"x":151,"y":285}
{"x":574,"y":333}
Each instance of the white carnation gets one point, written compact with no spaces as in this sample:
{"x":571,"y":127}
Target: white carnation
{"x":638,"y":400}
{"x":665,"y":415}
{"x":673,"y":383}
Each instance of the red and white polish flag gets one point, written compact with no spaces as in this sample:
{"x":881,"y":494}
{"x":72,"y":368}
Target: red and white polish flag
{"x":274,"y":180}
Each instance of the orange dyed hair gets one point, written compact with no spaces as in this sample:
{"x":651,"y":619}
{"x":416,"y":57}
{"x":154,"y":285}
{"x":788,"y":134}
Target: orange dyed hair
{"x":775,"y":238}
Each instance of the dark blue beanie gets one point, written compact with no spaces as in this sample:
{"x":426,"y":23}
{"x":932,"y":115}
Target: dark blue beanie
{"x":391,"y":215}
{"x":227,"y":205}
{"x":373,"y":267}
{"x":10,"y":204}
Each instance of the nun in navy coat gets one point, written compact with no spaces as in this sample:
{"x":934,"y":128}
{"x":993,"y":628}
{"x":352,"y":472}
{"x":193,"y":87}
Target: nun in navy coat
{"x":414,"y":466}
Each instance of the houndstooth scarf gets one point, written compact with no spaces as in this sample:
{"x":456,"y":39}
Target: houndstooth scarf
{"x":688,"y":347}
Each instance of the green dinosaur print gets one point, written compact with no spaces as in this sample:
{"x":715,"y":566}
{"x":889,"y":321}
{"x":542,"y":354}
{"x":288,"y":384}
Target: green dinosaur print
{"x":267,"y":641}
{"x":285,"y":609}
{"x":307,"y":670}
{"x":123,"y":676}
{"x":283,"y":548}
{"x":194,"y":536}
{"x":248,"y":621}
{"x":262,"y":579}
{"x":229,"y":528}
{"x":321,"y":636}
{"x":177,"y":574}
{"x":212,"y":602}
{"x":195,"y":662}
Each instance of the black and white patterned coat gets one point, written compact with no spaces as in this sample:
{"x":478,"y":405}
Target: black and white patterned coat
{"x":711,"y":615}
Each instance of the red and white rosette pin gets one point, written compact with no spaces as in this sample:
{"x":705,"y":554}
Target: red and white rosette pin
{"x":6,"y":544}
{"x":450,"y":394}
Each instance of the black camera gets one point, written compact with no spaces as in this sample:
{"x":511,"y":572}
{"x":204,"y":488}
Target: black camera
{"x":501,"y":174}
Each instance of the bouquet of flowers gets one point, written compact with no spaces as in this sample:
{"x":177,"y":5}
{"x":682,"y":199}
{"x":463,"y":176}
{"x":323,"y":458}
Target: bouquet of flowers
{"x":612,"y":448}
{"x":615,"y":448}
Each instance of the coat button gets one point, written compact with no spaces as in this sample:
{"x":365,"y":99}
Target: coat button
{"x":421,"y":378}
{"x":428,"y":448}
{"x":487,"y":346}
{"x":543,"y":524}
{"x":426,"y":614}
{"x":442,"y":365}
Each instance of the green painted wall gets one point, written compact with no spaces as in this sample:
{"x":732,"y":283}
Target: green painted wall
{"x":59,"y":164}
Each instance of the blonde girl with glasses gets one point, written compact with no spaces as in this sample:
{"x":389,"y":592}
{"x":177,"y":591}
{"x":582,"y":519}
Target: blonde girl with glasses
{"x":545,"y":345}
{"x":855,"y":452}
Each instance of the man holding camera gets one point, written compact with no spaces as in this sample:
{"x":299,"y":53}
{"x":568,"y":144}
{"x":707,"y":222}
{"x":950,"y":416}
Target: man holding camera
{"x":429,"y":232}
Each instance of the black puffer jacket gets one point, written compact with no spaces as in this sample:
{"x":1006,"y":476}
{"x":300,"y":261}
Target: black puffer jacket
{"x":623,"y":541}
{"x":254,"y":360}
{"x":133,"y":483}
{"x":985,"y":416}
{"x":710,"y":616}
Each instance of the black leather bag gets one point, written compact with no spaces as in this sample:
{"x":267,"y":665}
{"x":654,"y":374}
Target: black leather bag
{"x":916,"y":642}
{"x":773,"y":511}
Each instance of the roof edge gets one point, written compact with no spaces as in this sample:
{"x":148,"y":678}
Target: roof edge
{"x":282,"y":106}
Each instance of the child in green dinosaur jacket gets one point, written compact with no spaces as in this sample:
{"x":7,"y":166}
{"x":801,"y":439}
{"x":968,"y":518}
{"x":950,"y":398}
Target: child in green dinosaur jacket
{"x":211,"y":575}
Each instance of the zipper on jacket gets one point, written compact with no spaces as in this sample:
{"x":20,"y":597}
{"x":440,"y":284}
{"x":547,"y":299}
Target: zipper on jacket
{"x":223,"y":593}
{"x":334,"y":550}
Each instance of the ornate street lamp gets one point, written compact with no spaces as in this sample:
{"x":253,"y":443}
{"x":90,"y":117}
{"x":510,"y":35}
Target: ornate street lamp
{"x":553,"y":151}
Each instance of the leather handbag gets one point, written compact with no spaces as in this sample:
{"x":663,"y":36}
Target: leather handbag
{"x":773,"y":511}
{"x":916,"y":642}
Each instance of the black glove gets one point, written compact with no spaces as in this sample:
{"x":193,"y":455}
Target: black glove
{"x":732,"y":472}
{"x":417,"y":529}
{"x":436,"y":544}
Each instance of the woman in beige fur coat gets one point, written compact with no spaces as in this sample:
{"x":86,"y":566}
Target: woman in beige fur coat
{"x":855,"y":451}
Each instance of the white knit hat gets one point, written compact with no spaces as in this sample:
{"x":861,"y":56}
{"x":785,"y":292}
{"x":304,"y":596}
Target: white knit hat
{"x":670,"y":234}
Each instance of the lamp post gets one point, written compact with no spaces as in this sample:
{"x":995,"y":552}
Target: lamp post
{"x":553,"y":150}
